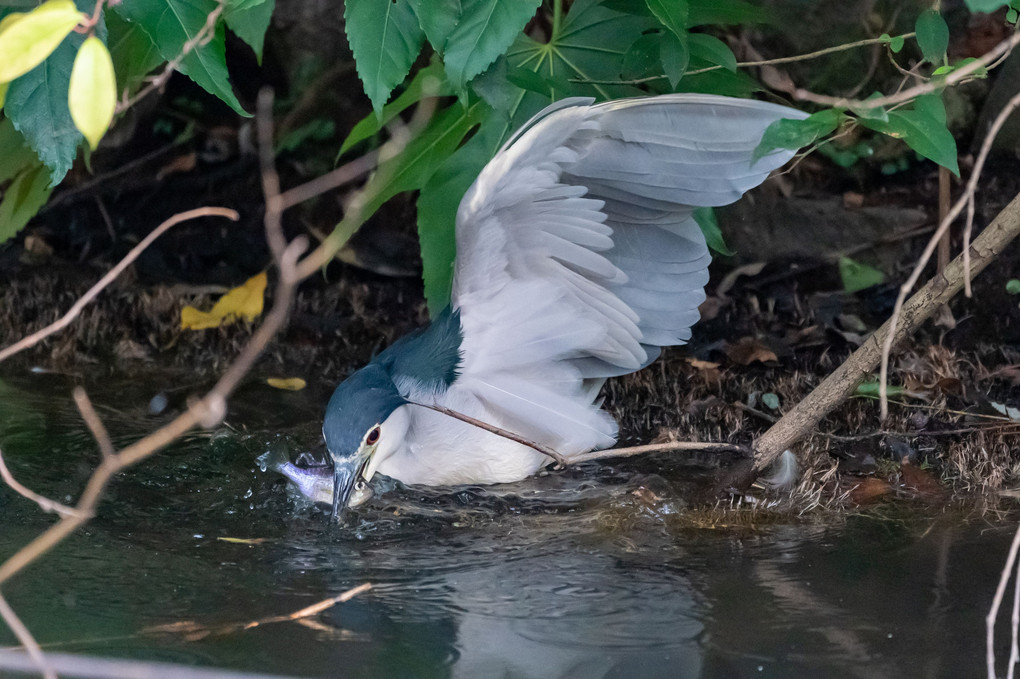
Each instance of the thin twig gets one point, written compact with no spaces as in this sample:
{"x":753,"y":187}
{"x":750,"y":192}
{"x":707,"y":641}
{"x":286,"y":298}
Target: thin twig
{"x":750,"y":64}
{"x":204,"y":35}
{"x":26,"y":639}
{"x":94,"y":291}
{"x":92,"y":421}
{"x":46,"y":504}
{"x":952,"y":78}
{"x":933,"y":242}
{"x":631,"y":451}
{"x":498,"y":431}
{"x":993,"y":612}
{"x":1014,"y":626}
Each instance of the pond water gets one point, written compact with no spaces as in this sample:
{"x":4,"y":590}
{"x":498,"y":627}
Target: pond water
{"x":591,"y":572}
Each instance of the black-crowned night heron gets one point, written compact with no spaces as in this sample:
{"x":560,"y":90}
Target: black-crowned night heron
{"x":577,"y":259}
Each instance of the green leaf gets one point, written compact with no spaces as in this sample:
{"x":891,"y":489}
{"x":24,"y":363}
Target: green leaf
{"x":672,"y":14}
{"x":795,"y":134}
{"x":1013,"y":286}
{"x":872,"y":113}
{"x":674,"y":56}
{"x":643,"y":56}
{"x":15,"y":154}
{"x":133,"y":52}
{"x":702,"y":12}
{"x":92,"y":92}
{"x":980,"y":72}
{"x":569,"y":55}
{"x":871,"y":388}
{"x":385,"y":38}
{"x":22,"y":200}
{"x":713,"y":50}
{"x":987,"y":6}
{"x":429,"y":81}
{"x":3,"y":93}
{"x":485,"y":30}
{"x":437,"y":211}
{"x":932,"y":35}
{"x":249,"y":20}
{"x":895,"y":44}
{"x":27,"y":40}
{"x":437,"y":18}
{"x":923,"y":129}
{"x":37,"y":104}
{"x":705,"y":217}
{"x":857,"y":276}
{"x":770,"y":400}
{"x":172,"y":23}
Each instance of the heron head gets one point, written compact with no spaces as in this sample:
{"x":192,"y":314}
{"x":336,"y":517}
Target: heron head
{"x":365,"y":422}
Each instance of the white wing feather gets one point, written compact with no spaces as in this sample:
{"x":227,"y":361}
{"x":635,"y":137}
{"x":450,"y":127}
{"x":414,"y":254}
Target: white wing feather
{"x":578,"y":256}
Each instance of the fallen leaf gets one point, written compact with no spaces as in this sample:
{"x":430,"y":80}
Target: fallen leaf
{"x":748,"y":350}
{"x":243,"y":541}
{"x":869,"y":489}
{"x":241,"y":302}
{"x":914,"y":478}
{"x":180,"y":164}
{"x":853,"y":200}
{"x":287,"y":383}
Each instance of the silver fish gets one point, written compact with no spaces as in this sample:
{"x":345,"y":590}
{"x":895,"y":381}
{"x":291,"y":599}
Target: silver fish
{"x":315,"y":483}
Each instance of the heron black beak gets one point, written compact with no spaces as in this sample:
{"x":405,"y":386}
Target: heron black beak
{"x":346,"y":474}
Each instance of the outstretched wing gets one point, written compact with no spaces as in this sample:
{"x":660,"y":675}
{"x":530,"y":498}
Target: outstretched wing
{"x":578,"y":256}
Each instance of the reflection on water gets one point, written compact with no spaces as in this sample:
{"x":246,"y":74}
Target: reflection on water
{"x":573,"y":574}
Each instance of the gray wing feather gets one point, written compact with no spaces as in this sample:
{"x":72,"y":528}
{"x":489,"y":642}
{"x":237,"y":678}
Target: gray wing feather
{"x":578,"y":256}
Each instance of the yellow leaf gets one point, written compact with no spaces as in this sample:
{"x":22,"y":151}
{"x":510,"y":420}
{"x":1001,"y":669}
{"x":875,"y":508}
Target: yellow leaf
{"x":243,"y":541}
{"x":3,"y":93}
{"x":241,"y":302}
{"x":92,"y":94}
{"x":288,"y":384}
{"x":27,"y":40}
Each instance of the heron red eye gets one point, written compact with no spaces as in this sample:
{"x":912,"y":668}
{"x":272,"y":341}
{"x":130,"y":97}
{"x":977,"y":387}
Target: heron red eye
{"x":373,"y":436}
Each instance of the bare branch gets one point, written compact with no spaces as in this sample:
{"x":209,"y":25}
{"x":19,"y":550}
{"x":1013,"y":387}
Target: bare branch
{"x":993,"y":612}
{"x":26,"y":639}
{"x":95,"y":425}
{"x":671,"y":446}
{"x":94,"y":291}
{"x":966,"y":199}
{"x":46,"y":504}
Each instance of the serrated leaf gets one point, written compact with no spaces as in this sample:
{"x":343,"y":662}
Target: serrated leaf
{"x":569,"y":55}
{"x":249,"y":20}
{"x":702,"y":12}
{"x":385,"y":38}
{"x":15,"y":154}
{"x":674,"y":56}
{"x":22,"y":200}
{"x":172,"y":23}
{"x":92,"y":93}
{"x":932,"y":35}
{"x":429,"y":81}
{"x":27,"y":40}
{"x":672,"y":14}
{"x":709,"y":225}
{"x":437,"y":18}
{"x":243,"y":302}
{"x":923,"y":129}
{"x":37,"y":104}
{"x":133,"y":52}
{"x":713,"y":50}
{"x":795,"y":134}
{"x":857,"y":276}
{"x":484,"y":31}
